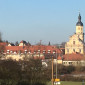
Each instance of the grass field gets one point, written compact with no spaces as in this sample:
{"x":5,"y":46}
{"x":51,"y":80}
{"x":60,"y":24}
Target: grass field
{"x":68,"y":83}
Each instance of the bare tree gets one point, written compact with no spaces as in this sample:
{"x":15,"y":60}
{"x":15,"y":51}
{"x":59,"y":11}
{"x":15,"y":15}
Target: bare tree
{"x":0,"y":37}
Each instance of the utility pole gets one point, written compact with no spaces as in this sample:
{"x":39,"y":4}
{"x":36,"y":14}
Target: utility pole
{"x":52,"y":72}
{"x":56,"y":65}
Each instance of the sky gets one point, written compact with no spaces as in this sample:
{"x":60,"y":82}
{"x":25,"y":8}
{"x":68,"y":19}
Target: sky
{"x":35,"y":20}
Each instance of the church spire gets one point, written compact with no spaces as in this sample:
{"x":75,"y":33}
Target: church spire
{"x":79,"y":18}
{"x":79,"y":23}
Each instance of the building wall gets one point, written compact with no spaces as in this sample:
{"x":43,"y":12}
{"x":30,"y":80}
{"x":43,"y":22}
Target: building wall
{"x":74,"y":63}
{"x":76,"y":42}
{"x":18,"y":57}
{"x":58,"y":61}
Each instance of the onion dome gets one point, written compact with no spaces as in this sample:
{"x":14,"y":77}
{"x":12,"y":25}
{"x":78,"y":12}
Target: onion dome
{"x":79,"y":23}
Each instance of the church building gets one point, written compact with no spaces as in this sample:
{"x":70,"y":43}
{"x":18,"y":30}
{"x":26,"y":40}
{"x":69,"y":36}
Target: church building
{"x":76,"y":41}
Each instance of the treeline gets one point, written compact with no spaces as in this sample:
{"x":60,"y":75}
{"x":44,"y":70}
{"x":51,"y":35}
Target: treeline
{"x":71,"y":73}
{"x":30,"y":72}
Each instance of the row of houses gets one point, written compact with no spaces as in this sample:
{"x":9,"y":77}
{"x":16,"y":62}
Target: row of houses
{"x":23,"y":50}
{"x":43,"y":52}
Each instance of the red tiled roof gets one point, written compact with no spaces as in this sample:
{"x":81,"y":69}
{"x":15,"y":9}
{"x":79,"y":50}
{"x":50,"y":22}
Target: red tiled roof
{"x":32,"y":48}
{"x":3,"y":43}
{"x":59,"y":58}
{"x":23,"y":41}
{"x":73,"y":57}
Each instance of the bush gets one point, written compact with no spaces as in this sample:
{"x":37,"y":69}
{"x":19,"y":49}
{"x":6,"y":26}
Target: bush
{"x":71,"y":78}
{"x":39,"y":83}
{"x":23,"y":83}
{"x":65,"y":69}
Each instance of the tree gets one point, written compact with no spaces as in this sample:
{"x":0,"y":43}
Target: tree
{"x":33,"y":71}
{"x":29,"y":43}
{"x":10,"y":71}
{"x":63,"y":44}
{"x":0,"y":37}
{"x":49,"y":43}
{"x":16,"y":43}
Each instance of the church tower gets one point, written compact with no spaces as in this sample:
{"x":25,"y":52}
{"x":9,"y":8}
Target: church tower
{"x":79,"y":28}
{"x":76,"y":41}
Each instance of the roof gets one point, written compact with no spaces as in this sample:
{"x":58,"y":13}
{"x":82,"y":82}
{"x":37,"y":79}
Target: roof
{"x":34,"y":48}
{"x":73,"y":57}
{"x":79,"y":23}
{"x":3,"y":43}
{"x":59,"y":58}
{"x":23,"y":41}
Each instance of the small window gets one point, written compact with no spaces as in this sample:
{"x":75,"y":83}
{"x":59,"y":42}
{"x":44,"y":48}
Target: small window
{"x":78,"y":28}
{"x":63,"y":62}
{"x":44,"y":51}
{"x":11,"y":51}
{"x":74,"y":42}
{"x":79,"y":50}
{"x":70,"y":63}
{"x":67,"y":50}
{"x":73,"y":50}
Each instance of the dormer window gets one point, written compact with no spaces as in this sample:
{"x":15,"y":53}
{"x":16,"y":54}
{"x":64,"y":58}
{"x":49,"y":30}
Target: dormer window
{"x":54,"y":51}
{"x":29,"y":51}
{"x":74,"y":42}
{"x":49,"y":51}
{"x":44,"y":51}
{"x":35,"y":51}
{"x":38,"y":51}
{"x":25,"y":51}
{"x":8,"y":50}
{"x":15,"y":52}
{"x":11,"y":51}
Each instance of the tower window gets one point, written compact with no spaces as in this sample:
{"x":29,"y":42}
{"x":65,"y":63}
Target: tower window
{"x":67,"y":50}
{"x":78,"y":28}
{"x":74,"y":42}
{"x":79,"y":50}
{"x":73,"y":50}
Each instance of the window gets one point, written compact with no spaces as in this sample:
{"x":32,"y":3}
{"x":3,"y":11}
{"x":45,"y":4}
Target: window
{"x":70,"y":63}
{"x":73,"y":50}
{"x":29,"y":51}
{"x":11,"y":51}
{"x":44,"y":51}
{"x":63,"y":62}
{"x":79,"y":50}
{"x":67,"y":50}
{"x":74,"y":42}
{"x":49,"y":51}
{"x":25,"y":51}
{"x":34,"y":51}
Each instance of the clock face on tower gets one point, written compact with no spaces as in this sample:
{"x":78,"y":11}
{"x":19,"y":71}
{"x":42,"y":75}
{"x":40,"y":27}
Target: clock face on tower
{"x":78,"y":28}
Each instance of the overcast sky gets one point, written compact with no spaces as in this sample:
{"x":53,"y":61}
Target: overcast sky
{"x":35,"y":20}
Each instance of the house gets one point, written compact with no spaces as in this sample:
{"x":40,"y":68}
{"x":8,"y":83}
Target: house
{"x":74,"y":59}
{"x":25,"y":50}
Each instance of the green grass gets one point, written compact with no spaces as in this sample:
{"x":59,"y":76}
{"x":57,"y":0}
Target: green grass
{"x":67,"y":83}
